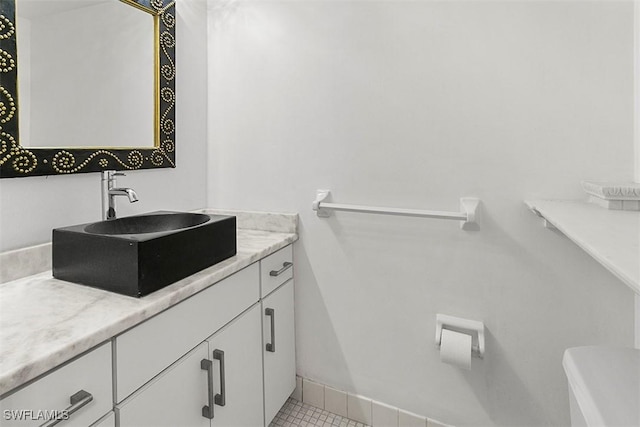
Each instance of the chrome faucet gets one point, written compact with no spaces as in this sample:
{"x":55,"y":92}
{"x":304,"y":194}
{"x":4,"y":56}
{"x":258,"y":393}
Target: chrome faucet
{"x":109,"y":193}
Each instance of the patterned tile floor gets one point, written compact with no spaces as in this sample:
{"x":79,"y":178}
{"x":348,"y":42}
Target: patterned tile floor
{"x":298,"y":414}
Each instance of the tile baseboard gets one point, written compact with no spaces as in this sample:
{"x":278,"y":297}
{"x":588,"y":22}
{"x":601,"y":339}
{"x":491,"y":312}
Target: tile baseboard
{"x":356,"y":407}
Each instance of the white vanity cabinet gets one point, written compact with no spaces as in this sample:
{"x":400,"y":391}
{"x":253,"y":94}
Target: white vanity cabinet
{"x":223,"y":357}
{"x":145,"y":350}
{"x":279,"y":349}
{"x":240,"y":374}
{"x":219,"y":383}
{"x":82,"y":387}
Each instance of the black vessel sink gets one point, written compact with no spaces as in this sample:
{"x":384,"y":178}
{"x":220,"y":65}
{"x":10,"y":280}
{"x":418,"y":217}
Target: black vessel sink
{"x":144,"y":224}
{"x":138,"y":255}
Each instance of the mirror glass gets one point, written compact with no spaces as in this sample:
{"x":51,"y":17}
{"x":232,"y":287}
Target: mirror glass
{"x":85,"y":74}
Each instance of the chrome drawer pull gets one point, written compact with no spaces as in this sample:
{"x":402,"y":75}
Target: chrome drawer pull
{"x":285,"y":267}
{"x":78,"y":401}
{"x":221,"y":398}
{"x":207,"y":410}
{"x":271,"y":347}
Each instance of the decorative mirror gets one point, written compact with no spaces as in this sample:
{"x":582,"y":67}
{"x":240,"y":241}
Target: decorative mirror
{"x":96,"y":86}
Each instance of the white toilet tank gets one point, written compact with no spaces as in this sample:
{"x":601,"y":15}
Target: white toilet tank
{"x":604,"y":386}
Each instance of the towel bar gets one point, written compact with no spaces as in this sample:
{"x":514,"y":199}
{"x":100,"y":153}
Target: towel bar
{"x":468,"y":206}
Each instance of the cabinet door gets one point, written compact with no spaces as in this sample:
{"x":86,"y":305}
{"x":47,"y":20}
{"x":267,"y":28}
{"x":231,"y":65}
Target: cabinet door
{"x":237,"y":362}
{"x":175,"y":398}
{"x":279,"y":349}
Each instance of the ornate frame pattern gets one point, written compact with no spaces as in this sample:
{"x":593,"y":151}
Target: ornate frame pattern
{"x":17,"y":161}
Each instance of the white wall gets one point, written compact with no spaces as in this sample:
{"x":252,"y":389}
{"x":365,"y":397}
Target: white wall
{"x":414,"y":104}
{"x":31,"y":207}
{"x":637,"y":90}
{"x":637,"y":326}
{"x":637,"y":131}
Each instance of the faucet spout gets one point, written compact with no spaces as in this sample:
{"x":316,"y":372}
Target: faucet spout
{"x":131,"y":195}
{"x":110,"y":191}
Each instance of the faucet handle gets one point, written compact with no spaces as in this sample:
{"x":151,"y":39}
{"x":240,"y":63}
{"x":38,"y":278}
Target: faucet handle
{"x":109,"y":174}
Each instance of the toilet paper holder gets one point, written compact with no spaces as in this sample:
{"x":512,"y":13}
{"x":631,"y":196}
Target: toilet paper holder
{"x":474,"y":328}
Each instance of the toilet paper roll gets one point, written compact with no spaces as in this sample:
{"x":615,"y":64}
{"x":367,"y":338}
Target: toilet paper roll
{"x":455,"y":349}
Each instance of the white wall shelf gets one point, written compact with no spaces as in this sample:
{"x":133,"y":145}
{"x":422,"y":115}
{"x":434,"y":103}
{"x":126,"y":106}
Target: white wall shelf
{"x":611,"y":237}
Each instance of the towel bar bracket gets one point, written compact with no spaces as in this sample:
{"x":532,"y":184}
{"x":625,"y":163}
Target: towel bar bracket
{"x":321,"y":196}
{"x":469,"y":206}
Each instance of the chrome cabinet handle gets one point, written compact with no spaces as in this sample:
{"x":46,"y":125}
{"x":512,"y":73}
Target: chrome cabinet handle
{"x":222,"y":396}
{"x":271,"y":346}
{"x":78,"y":401}
{"x":207,"y":410}
{"x":285,"y":267}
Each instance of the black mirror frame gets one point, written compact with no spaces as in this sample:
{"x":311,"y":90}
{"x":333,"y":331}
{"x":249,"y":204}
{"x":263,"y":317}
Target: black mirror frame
{"x":17,"y":161}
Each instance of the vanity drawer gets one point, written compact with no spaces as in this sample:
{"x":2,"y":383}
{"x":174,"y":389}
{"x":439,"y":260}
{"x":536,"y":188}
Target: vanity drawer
{"x":34,"y":404}
{"x":147,"y":349}
{"x":276,"y":269}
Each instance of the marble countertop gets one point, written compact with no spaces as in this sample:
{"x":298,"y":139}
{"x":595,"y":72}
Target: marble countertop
{"x":612,"y":237}
{"x":45,"y":322}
